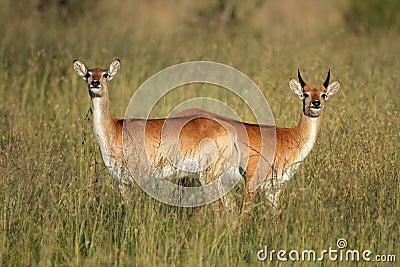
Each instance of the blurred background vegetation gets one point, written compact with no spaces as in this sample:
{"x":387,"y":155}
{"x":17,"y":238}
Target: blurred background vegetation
{"x":58,"y":205}
{"x":370,"y":16}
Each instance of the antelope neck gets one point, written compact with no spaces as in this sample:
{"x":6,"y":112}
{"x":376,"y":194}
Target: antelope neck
{"x":103,"y":126}
{"x":306,"y":132}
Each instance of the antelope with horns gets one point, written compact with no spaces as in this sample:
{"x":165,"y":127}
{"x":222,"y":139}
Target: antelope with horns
{"x":284,"y":148}
{"x":188,"y":127}
{"x":292,"y":144}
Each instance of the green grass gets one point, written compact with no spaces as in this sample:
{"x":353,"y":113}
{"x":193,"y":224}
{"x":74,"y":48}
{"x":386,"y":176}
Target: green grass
{"x":58,"y":205}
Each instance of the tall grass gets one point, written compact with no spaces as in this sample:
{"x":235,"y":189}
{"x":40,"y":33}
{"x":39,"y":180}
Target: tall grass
{"x":58,"y":205}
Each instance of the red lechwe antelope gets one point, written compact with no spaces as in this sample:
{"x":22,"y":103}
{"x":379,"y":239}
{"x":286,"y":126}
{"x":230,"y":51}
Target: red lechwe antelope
{"x":191,"y":130}
{"x":292,"y":145}
{"x":286,"y":147}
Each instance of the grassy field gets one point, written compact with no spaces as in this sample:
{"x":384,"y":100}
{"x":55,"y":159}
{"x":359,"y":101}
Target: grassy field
{"x":58,"y":205}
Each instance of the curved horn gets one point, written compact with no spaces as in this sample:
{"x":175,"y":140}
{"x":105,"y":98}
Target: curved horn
{"x":300,"y":79}
{"x":326,"y":83}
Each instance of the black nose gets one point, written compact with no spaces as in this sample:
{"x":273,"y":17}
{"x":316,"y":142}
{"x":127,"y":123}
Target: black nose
{"x":95,"y":83}
{"x":316,"y":103}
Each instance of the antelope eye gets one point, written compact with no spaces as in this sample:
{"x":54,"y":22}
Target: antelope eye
{"x":105,"y":75}
{"x":323,"y":95}
{"x":87,"y":75}
{"x":306,"y":95}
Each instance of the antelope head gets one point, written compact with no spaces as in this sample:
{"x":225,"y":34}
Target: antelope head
{"x":97,"y":78}
{"x":313,"y":98}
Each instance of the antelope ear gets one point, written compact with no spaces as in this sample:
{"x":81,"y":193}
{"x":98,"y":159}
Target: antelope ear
{"x":333,"y":87}
{"x":113,"y":69}
{"x":296,"y":88}
{"x":80,"y":68}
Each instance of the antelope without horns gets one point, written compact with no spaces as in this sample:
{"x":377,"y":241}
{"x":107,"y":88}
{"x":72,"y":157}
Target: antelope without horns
{"x":292,"y":144}
{"x":190,"y":128}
